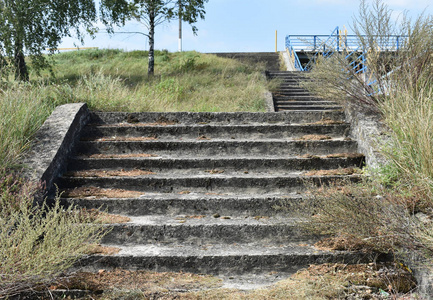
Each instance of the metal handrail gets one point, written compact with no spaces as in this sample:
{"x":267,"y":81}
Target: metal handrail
{"x":293,"y":55}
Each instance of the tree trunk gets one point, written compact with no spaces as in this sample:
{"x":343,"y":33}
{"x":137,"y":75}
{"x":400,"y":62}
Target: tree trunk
{"x":151,"y":67}
{"x":21,"y":72}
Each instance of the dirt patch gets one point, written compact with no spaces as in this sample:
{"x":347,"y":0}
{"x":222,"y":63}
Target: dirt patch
{"x":334,"y":155}
{"x":140,"y":124}
{"x":215,"y":171}
{"x":109,"y":173}
{"x":333,"y":172}
{"x":314,"y":137}
{"x":144,"y":281}
{"x":131,"y":155}
{"x":122,"y":139}
{"x":97,"y":192}
{"x":103,"y":250}
{"x":98,"y":216}
{"x":344,"y":155}
{"x":203,"y":138}
{"x":326,"y":121}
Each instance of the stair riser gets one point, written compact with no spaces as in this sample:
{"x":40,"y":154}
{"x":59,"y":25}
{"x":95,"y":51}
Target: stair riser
{"x":306,"y":103}
{"x":220,"y":148}
{"x":200,"y":235}
{"x":307,"y":107}
{"x":238,"y":185}
{"x":210,"y":118}
{"x":296,"y":98}
{"x":212,"y":132}
{"x":219,"y":265}
{"x":199,"y":166}
{"x":268,"y":206}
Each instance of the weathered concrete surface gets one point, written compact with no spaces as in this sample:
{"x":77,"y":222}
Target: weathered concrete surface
{"x":47,"y":158}
{"x":269,"y":102}
{"x":368,"y":131}
{"x":228,"y":118}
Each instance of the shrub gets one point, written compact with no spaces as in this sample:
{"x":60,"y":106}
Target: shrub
{"x":392,"y":209}
{"x":37,"y":243}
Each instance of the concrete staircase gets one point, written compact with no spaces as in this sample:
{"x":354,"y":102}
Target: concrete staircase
{"x":291,"y":96}
{"x":206,"y":189}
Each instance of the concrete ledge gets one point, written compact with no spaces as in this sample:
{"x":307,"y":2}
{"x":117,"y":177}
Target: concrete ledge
{"x":269,"y":101}
{"x":53,"y":143}
{"x":368,"y":131}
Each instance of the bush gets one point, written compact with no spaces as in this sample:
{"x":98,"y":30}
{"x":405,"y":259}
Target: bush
{"x":38,"y":243}
{"x":392,"y":210}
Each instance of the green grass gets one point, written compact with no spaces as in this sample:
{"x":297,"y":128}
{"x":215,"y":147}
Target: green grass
{"x":188,"y":81}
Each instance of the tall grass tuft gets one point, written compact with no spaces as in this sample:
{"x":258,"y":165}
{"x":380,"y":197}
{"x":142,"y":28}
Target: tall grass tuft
{"x":23,"y":109}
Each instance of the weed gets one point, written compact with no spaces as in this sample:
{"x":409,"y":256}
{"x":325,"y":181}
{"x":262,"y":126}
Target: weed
{"x":38,"y":244}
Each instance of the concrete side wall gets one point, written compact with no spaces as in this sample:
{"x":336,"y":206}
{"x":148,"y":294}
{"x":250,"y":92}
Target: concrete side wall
{"x":53,"y":143}
{"x":288,"y":62}
{"x":370,"y":133}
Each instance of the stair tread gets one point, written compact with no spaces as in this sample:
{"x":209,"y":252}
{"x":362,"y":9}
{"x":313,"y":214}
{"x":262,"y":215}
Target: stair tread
{"x":223,"y":249}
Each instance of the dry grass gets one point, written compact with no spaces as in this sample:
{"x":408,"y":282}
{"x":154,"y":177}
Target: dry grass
{"x":146,"y":282}
{"x":122,"y":139}
{"x":327,"y":281}
{"x":109,"y":173}
{"x":101,"y":217}
{"x":326,"y":122}
{"x":103,"y":250}
{"x":131,"y":155}
{"x":341,"y":171}
{"x":96,"y":192}
{"x":314,"y":137}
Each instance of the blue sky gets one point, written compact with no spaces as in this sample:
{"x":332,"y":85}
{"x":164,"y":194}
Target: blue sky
{"x":249,"y":25}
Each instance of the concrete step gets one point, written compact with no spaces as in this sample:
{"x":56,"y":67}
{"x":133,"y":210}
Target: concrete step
{"x":222,"y":259}
{"x":204,"y":229}
{"x":223,"y":148}
{"x":277,"y":96}
{"x":219,"y":183}
{"x":190,"y":118}
{"x":171,"y":204}
{"x":193,"y":132}
{"x":228,"y":164}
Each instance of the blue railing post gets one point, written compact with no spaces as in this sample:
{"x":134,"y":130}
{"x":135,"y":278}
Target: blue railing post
{"x":338,"y":40}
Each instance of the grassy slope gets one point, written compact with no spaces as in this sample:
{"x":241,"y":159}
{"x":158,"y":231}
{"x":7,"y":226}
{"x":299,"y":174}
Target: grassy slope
{"x":188,"y":81}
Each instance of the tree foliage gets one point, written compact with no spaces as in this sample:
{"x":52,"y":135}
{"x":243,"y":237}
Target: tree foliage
{"x":28,"y":27}
{"x":151,"y":13}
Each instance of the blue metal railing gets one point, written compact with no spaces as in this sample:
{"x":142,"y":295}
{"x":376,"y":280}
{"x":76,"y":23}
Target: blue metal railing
{"x":293,"y":55}
{"x":340,"y":42}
